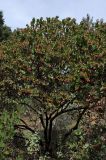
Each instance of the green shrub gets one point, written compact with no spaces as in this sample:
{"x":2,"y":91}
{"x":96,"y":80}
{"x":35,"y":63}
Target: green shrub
{"x":7,"y":121}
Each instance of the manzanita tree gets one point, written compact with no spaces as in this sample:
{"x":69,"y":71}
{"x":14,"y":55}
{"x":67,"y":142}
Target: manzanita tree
{"x":53,"y":67}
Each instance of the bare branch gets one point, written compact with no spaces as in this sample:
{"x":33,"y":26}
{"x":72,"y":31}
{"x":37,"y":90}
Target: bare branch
{"x":56,"y":110}
{"x":65,"y":111}
{"x":16,"y":126}
{"x":76,"y":125}
{"x":29,"y":106}
{"x":42,"y":121}
{"x":64,"y":104}
{"x":23,"y":122}
{"x":37,"y":99}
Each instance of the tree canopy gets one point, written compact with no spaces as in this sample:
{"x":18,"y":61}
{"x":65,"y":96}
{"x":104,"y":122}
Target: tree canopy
{"x":54,"y":66}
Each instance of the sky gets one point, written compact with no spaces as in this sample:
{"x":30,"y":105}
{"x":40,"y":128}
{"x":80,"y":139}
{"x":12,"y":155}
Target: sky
{"x":18,"y":13}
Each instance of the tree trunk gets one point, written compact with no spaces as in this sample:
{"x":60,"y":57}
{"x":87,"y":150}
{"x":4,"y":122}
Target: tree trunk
{"x":48,"y":136}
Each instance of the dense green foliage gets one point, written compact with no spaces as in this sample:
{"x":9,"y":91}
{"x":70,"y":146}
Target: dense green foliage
{"x":5,"y":31}
{"x":54,"y":67}
{"x":7,"y":121}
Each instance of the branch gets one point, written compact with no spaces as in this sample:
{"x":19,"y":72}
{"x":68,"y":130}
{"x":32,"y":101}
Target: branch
{"x":76,"y":125}
{"x":25,"y":126}
{"x":65,"y":104}
{"x":42,"y":121}
{"x":66,"y":110}
{"x":16,"y":126}
{"x":37,"y":98}
{"x":56,"y":110}
{"x":29,"y":106}
{"x":23,"y":122}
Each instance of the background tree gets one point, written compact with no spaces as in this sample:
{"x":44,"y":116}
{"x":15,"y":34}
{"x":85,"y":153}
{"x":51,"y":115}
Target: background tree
{"x":53,"y":67}
{"x":5,"y":31}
